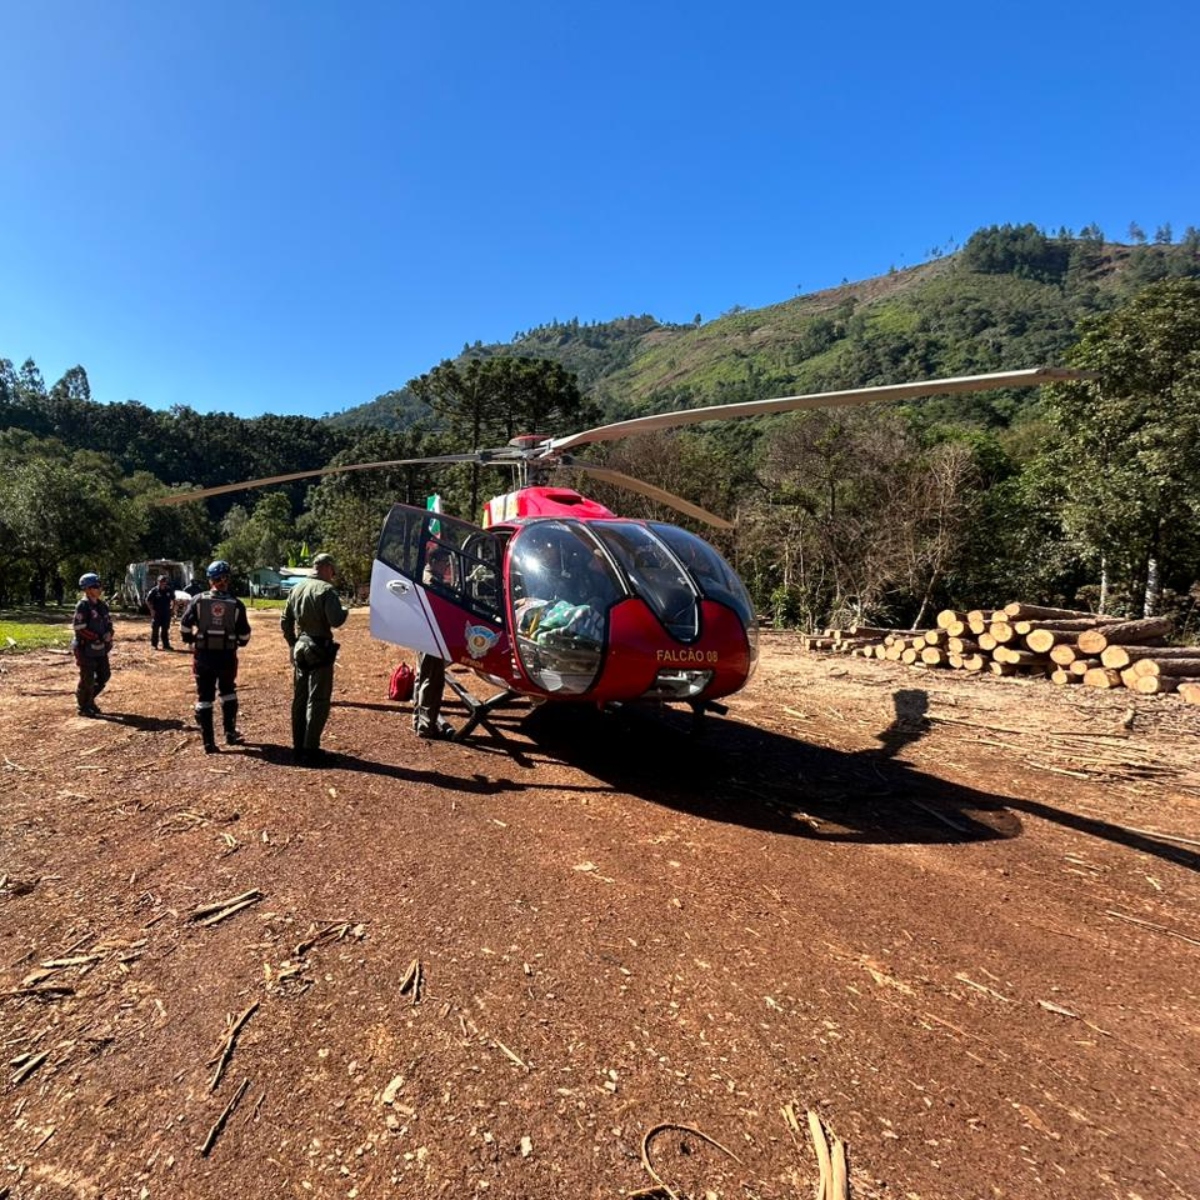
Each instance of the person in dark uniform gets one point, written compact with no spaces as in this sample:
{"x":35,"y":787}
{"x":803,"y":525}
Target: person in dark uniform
{"x":215,"y":625}
{"x":92,"y":642}
{"x":194,"y":588}
{"x":431,"y":671}
{"x":312,"y":613}
{"x":160,"y":600}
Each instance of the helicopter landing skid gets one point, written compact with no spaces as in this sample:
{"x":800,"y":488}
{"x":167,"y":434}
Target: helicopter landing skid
{"x":479,"y":711}
{"x":700,"y":707}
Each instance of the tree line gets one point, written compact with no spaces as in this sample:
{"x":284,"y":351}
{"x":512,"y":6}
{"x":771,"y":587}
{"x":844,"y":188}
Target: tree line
{"x":1084,"y":493}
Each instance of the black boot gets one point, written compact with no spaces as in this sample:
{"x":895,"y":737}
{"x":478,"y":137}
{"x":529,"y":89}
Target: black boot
{"x":299,"y":733}
{"x":229,"y":712}
{"x":204,"y":718}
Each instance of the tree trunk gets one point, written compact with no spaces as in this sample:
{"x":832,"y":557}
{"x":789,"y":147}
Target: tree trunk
{"x":1124,"y":656}
{"x":1043,"y":641}
{"x":1034,"y":612}
{"x":1166,"y":666}
{"x":1153,"y":589}
{"x":1103,"y":582}
{"x":978,"y":620}
{"x":1093,"y":641}
{"x":1155,"y":685}
{"x":1076,"y":625}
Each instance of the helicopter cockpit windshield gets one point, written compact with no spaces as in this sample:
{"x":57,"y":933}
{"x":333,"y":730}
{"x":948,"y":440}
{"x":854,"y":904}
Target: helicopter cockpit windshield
{"x":562,"y":588}
{"x":715,"y":578}
{"x":655,"y":575}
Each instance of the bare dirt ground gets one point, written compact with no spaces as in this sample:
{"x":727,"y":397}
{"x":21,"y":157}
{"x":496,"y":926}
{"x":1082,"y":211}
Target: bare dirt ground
{"x":941,"y":911}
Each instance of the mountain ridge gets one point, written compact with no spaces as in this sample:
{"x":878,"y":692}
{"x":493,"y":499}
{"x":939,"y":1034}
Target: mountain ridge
{"x":1010,"y":297}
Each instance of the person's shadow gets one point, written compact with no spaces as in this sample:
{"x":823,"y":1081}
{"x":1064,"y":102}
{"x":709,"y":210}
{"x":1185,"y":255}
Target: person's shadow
{"x":474,"y":783}
{"x":143,"y":724}
{"x":908,"y":725}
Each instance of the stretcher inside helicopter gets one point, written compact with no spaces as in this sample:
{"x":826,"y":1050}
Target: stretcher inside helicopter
{"x":567,"y":608}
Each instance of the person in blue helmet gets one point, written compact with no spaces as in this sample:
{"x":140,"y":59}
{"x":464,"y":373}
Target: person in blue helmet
{"x":215,"y":625}
{"x":92,"y":641}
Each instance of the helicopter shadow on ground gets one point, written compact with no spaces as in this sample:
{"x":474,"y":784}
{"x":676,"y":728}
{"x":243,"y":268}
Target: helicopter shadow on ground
{"x":762,"y":779}
{"x":491,"y":736}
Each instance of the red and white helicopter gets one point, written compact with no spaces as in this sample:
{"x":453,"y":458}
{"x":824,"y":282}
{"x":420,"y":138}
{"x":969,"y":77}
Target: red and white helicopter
{"x":556,"y":598}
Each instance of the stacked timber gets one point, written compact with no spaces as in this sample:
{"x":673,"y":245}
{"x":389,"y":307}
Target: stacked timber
{"x":1067,"y":646}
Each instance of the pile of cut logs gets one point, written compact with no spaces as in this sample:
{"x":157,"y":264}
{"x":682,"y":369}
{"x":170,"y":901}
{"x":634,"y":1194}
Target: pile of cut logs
{"x":1064,"y":645}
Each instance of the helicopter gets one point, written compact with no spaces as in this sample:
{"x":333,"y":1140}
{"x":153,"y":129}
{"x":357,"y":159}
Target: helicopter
{"x":554,"y":597}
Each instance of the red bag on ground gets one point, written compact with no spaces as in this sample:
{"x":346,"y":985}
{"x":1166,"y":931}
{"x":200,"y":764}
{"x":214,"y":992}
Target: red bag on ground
{"x":400,"y":686}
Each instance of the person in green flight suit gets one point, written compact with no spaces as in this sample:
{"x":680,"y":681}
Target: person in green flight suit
{"x":312,"y":613}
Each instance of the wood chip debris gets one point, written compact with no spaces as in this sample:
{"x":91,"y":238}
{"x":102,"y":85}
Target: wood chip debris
{"x":26,"y":1064}
{"x":222,"y":1057}
{"x":834,"y":1180}
{"x":509,"y":1054}
{"x":215,"y":1132}
{"x":210,"y":914}
{"x":49,"y":991}
{"x":1156,"y":833}
{"x":981,"y":987}
{"x":330,"y":933}
{"x":1151,"y":925}
{"x":958,"y":826}
{"x":1049,"y":1006}
{"x":660,"y":1185}
{"x":413,"y":981}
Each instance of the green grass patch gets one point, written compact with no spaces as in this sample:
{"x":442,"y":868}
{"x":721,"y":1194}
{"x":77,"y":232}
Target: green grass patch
{"x":20,"y":636}
{"x":263,"y":602}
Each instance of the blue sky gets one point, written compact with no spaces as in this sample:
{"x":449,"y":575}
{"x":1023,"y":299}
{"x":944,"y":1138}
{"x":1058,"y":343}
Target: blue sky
{"x":292,"y":207}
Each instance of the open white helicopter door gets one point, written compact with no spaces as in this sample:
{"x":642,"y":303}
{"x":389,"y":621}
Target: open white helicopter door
{"x":437,"y":588}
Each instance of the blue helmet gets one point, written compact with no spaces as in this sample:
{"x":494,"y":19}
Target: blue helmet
{"x":91,"y":579}
{"x":218,"y":569}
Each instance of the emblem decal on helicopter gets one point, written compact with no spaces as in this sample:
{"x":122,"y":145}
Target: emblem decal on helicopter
{"x":480,"y":639}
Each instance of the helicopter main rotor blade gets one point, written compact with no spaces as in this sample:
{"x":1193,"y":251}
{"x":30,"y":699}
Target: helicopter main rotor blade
{"x":619,"y":479}
{"x":870,"y":395}
{"x":248,"y":484}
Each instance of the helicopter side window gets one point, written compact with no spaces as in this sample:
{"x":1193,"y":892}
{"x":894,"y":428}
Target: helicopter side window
{"x":400,"y":540}
{"x":655,"y":575}
{"x":451,"y":558}
{"x":463,"y":565}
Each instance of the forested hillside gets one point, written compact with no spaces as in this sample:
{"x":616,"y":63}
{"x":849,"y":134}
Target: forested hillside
{"x":1013,"y":297}
{"x":876,"y":514}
